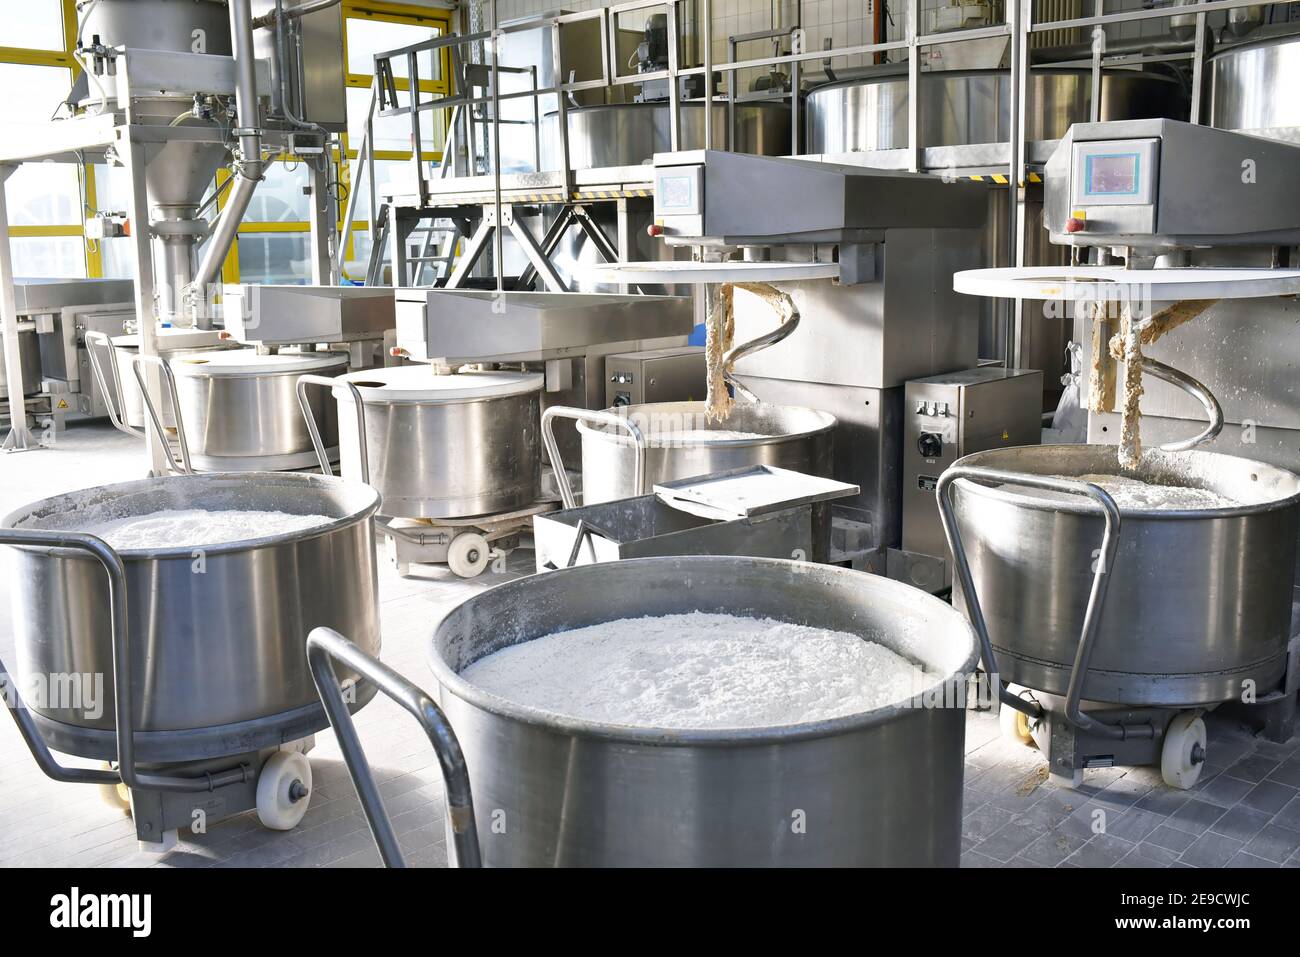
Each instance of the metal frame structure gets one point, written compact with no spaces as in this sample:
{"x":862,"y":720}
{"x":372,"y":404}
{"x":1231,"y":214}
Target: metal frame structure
{"x":1016,"y":163}
{"x":94,"y":139}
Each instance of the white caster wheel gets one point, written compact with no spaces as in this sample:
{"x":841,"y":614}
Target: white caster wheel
{"x":468,"y":554}
{"x":117,"y":795}
{"x":284,"y":790}
{"x":1183,"y":754}
{"x":1014,"y":724}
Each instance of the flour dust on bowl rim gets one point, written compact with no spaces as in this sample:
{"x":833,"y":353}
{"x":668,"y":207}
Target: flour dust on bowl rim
{"x":217,"y":648}
{"x":880,"y":787}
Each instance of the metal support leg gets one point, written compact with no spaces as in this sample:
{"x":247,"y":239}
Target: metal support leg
{"x":534,"y":253}
{"x":400,"y":225}
{"x":596,"y":235}
{"x":133,"y":156}
{"x":19,"y":438}
{"x":473,"y":251}
{"x":549,"y":242}
{"x":325,"y":645}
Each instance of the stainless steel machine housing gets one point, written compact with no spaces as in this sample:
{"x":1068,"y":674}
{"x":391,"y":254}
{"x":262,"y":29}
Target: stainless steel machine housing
{"x":891,"y":316}
{"x":945,"y":418}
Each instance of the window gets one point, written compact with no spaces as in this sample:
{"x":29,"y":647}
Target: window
{"x":49,"y":202}
{"x":370,"y":29}
{"x":45,"y":199}
{"x":33,"y":24}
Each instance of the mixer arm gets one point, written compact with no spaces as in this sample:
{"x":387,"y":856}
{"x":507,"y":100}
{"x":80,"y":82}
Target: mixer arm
{"x":757,"y":344}
{"x":312,"y":429}
{"x":123,"y":699}
{"x":589,"y":415}
{"x":1096,"y":597}
{"x":325,"y":644}
{"x":1198,"y":391}
{"x":110,"y":386}
{"x":184,"y":465}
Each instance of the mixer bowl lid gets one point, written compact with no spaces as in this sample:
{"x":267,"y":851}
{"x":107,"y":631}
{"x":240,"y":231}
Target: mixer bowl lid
{"x":418,"y":383}
{"x":176,"y":339}
{"x":224,"y":362}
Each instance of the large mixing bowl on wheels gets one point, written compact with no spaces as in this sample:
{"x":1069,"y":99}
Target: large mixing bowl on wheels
{"x":1198,"y":600}
{"x":217,"y":634}
{"x":882,"y":787}
{"x":240,"y":409}
{"x":1115,"y":626}
{"x":440,"y":446}
{"x":186,"y":666}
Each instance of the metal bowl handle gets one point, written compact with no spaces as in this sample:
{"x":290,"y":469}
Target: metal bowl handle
{"x":590,"y":415}
{"x":123,"y":698}
{"x":324,"y":645}
{"x":184,"y":466}
{"x":1096,"y":597}
{"x":111,"y":385}
{"x":314,"y":431}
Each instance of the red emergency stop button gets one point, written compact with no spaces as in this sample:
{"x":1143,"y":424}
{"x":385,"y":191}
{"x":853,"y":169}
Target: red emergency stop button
{"x":1075,"y":225}
{"x":653,"y":230}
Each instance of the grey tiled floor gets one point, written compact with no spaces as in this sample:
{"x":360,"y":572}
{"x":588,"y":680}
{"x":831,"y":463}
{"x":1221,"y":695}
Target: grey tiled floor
{"x":1245,"y":811}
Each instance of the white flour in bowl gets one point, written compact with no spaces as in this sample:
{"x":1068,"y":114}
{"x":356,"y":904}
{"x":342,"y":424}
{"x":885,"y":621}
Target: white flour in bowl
{"x":194,"y":528}
{"x":700,"y":671}
{"x":1134,"y":493}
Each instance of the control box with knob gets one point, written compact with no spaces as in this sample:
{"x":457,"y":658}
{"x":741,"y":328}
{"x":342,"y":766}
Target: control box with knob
{"x":945,"y":417}
{"x":675,"y":374}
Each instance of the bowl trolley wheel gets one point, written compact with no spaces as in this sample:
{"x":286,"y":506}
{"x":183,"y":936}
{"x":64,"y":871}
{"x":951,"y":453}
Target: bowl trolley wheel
{"x":283,"y":790}
{"x":1182,"y":756}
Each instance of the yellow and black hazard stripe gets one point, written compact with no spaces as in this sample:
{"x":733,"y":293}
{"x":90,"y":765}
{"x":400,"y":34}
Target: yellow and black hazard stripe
{"x":588,"y":194}
{"x":1001,"y":178}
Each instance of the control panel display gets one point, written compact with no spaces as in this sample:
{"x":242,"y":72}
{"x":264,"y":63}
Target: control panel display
{"x":677,"y":191}
{"x":1115,"y":173}
{"x":1112,"y":174}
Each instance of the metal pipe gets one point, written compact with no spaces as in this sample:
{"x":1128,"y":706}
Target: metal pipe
{"x":325,"y":645}
{"x":590,"y":415}
{"x":293,"y":13}
{"x":249,"y":170}
{"x":314,"y":431}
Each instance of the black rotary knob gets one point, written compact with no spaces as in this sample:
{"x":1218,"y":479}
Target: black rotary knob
{"x":930,"y":445}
